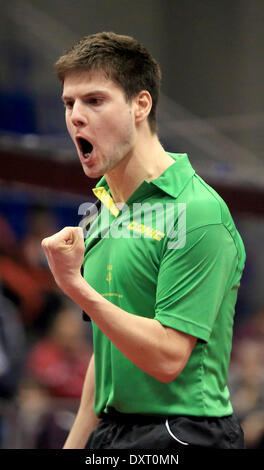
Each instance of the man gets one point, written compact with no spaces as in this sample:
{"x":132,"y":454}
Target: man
{"x":160,"y":290}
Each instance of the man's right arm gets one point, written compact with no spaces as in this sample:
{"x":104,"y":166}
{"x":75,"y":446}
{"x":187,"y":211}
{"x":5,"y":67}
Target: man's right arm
{"x":86,"y":419}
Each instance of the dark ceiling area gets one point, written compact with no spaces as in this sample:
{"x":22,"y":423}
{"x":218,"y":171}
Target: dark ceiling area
{"x":211,"y":56}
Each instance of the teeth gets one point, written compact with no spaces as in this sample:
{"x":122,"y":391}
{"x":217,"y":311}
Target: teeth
{"x":87,"y":155}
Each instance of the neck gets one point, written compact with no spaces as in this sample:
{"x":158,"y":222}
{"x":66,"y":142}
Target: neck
{"x":147,"y":161}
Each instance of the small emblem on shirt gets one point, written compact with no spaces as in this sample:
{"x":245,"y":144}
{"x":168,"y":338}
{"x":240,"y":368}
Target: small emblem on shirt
{"x":109,"y":272}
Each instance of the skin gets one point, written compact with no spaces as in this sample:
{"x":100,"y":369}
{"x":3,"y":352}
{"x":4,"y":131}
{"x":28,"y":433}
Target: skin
{"x":96,"y":110}
{"x":126,"y":152}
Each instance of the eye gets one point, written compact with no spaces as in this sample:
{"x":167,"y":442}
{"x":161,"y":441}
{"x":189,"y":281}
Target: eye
{"x":68,"y":104}
{"x":95,"y":101}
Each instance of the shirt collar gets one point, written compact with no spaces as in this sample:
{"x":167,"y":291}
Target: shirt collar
{"x":172,"y":182}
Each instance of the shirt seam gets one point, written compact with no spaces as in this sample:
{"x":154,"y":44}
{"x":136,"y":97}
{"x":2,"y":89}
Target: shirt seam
{"x":163,"y":313}
{"x":203,"y":226}
{"x":203,"y":382}
{"x":221,"y":211}
{"x":211,"y":191}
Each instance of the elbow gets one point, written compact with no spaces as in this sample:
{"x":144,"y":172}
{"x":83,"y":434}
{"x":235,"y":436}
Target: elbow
{"x":169,"y":373}
{"x":167,"y":378}
{"x":174,"y":355}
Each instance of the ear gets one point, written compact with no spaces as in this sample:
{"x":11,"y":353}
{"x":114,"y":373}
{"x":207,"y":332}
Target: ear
{"x":143,"y":105}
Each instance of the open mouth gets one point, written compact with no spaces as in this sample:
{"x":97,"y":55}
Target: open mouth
{"x":85,"y":146}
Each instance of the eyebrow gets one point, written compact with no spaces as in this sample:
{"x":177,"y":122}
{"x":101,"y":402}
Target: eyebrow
{"x":86,"y":95}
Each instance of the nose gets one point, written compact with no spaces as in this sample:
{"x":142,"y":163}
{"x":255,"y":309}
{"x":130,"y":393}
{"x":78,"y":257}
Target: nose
{"x":78,"y":116}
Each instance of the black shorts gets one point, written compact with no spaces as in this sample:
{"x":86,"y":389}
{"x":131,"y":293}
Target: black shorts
{"x":124,"y":431}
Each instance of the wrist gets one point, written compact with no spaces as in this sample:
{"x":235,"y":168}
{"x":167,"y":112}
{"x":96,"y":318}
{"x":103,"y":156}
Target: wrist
{"x":85,"y":296}
{"x":72,"y":284}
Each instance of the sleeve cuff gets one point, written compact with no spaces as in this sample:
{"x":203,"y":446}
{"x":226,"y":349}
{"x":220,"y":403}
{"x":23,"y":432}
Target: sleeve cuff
{"x":184,"y":325}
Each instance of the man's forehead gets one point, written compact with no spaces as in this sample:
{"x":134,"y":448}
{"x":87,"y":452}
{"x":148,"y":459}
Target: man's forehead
{"x":87,"y":79}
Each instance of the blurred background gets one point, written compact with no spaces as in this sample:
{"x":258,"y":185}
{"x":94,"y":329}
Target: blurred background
{"x":212,"y":107}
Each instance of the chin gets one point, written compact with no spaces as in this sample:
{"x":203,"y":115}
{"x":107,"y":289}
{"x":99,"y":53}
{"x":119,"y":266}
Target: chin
{"x":92,"y":172}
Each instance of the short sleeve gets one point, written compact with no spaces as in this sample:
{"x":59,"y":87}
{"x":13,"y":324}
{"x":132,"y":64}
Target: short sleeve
{"x":193,"y":280}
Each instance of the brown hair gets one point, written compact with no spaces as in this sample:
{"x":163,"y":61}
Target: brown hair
{"x":123,"y":60}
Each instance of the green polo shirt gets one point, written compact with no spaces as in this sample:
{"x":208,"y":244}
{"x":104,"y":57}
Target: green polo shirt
{"x":172,"y":253}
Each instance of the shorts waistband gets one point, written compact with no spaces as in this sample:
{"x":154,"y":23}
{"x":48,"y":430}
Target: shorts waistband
{"x":114,"y":415}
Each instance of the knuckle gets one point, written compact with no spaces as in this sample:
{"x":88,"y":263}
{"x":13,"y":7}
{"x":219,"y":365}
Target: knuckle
{"x":44,"y":243}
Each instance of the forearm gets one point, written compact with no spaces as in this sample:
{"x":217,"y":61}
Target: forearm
{"x":86,"y":419}
{"x":83,"y":426}
{"x":159,"y":351}
{"x":144,"y":341}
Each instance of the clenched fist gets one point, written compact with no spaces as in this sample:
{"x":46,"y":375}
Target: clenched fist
{"x":64,"y":252}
